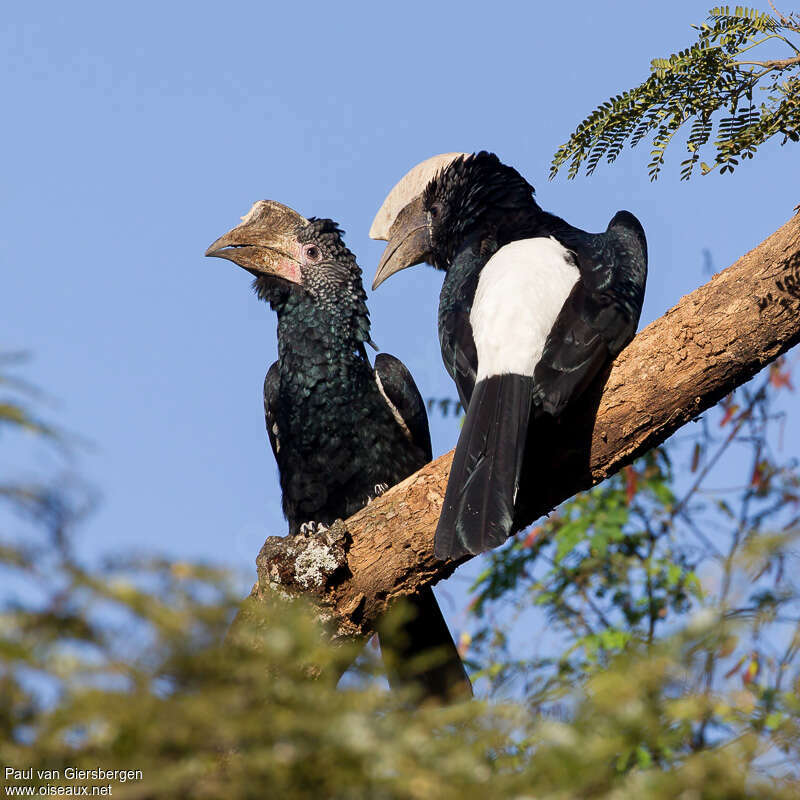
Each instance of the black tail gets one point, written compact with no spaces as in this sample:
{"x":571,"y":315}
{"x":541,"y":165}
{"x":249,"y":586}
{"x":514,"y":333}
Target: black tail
{"x":478,"y":509}
{"x":422,"y":653}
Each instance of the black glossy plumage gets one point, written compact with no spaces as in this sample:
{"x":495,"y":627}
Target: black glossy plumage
{"x":339,"y":428}
{"x":333,"y":434}
{"x":602,"y":312}
{"x":477,"y":205}
{"x":457,"y":344}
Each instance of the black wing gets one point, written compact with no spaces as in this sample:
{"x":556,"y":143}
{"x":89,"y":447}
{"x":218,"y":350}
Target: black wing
{"x":459,"y":353}
{"x":400,"y":390}
{"x":601,"y":313}
{"x":271,"y":387}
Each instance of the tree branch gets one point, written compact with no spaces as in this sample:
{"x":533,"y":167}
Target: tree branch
{"x":712,"y":341}
{"x":780,"y":64}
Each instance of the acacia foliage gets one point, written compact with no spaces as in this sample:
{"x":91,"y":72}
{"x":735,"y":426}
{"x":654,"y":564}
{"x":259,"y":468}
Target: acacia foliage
{"x":740,"y":82}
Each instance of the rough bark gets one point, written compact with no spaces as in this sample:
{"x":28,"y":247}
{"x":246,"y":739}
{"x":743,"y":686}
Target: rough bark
{"x":712,"y":341}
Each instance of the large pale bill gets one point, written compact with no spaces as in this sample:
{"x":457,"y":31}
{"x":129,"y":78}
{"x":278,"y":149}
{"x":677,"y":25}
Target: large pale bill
{"x":405,"y":190}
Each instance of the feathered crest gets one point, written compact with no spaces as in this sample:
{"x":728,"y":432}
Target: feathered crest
{"x":476,"y":182}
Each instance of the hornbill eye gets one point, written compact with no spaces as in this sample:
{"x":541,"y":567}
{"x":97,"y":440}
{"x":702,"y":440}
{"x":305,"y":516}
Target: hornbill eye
{"x":311,"y":252}
{"x":436,"y":209}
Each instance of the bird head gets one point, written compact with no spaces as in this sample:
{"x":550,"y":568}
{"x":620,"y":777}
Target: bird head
{"x":463,"y":194}
{"x":288,"y":253}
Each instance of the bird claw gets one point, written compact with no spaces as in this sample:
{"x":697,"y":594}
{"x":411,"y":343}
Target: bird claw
{"x":377,"y":490}
{"x":312,"y":528}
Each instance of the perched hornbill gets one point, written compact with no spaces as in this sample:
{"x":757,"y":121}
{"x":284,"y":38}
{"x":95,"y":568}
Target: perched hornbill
{"x":531,"y":310}
{"x":340,"y":430}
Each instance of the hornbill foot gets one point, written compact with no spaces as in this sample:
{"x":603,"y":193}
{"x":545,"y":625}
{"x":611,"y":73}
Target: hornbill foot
{"x":312,"y":528}
{"x":377,"y":490}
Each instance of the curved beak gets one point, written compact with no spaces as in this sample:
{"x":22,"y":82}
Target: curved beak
{"x":409,"y":241}
{"x":265,"y":243}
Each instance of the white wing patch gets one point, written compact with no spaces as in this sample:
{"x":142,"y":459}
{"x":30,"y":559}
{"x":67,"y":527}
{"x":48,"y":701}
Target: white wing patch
{"x":520,"y":293}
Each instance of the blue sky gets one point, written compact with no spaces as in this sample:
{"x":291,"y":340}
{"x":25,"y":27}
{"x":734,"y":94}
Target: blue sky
{"x":136,"y":134}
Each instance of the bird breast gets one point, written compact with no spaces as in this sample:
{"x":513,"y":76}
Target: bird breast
{"x":520,"y":293}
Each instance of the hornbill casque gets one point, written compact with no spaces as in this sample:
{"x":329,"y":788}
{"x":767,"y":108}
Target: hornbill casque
{"x":341,"y":431}
{"x":531,"y":310}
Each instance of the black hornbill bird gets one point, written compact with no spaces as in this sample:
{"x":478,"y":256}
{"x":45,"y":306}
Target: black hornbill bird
{"x":340,"y":430}
{"x":531,"y":310}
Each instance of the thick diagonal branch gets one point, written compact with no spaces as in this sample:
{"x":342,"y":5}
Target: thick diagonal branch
{"x":712,"y":341}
